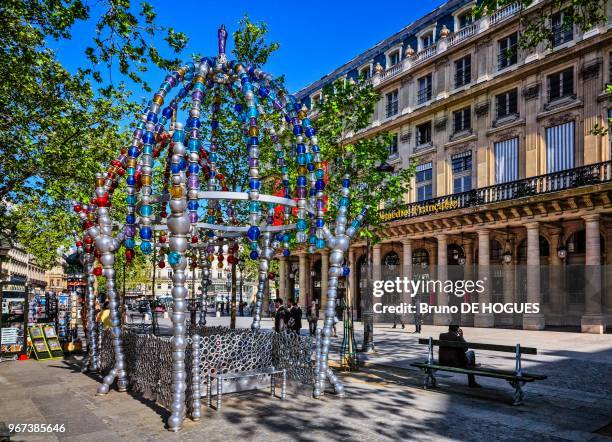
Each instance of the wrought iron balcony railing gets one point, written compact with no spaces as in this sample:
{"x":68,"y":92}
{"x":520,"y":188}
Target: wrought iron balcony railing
{"x":542,"y":184}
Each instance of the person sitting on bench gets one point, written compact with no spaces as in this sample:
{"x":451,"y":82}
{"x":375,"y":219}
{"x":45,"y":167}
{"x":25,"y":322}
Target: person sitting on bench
{"x":457,"y":357}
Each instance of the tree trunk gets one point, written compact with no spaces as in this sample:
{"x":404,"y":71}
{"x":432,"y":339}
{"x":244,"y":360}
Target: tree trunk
{"x":368,"y":313}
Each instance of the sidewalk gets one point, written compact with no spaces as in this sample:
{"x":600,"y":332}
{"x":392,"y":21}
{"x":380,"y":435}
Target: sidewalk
{"x":384,"y":401}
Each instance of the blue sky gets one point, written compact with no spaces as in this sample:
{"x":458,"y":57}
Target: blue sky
{"x":315,"y":37}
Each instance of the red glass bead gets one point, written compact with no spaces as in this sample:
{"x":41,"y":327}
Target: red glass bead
{"x":77,"y":208}
{"x":161,"y":264}
{"x":129,"y":255}
{"x":97,"y":271}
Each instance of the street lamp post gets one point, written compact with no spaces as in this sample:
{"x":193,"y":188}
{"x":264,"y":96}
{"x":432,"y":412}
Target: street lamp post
{"x":4,"y":250}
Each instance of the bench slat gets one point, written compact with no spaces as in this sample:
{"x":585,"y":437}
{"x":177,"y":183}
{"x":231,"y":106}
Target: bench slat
{"x":249,"y":373}
{"x":486,"y":372}
{"x":480,"y":346}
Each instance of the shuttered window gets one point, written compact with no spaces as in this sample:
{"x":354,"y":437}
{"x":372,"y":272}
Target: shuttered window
{"x":506,"y":161}
{"x":560,"y":147}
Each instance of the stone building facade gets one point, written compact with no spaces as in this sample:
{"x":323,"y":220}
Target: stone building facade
{"x":511,"y":182}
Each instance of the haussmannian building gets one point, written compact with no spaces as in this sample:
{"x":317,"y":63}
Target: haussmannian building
{"x":511,"y":182}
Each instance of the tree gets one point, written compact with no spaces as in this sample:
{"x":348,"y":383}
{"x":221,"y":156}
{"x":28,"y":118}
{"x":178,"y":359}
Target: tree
{"x":59,"y":128}
{"x":346,"y":109}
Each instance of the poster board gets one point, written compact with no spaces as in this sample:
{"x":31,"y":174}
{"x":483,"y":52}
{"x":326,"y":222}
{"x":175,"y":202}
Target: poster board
{"x":45,"y":344}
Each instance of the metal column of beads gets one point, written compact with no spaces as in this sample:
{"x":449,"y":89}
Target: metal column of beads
{"x":274,"y":126}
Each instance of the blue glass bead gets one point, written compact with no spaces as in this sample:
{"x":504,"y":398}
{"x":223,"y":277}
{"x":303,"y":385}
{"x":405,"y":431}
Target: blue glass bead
{"x":147,"y":149}
{"x":193,"y":205}
{"x":346,"y":182}
{"x":355,"y":224}
{"x":253,"y":141}
{"x":309,"y":158}
{"x":263,"y":91}
{"x":130,"y":218}
{"x":214,"y":124}
{"x":253,"y":245}
{"x":346,"y":270}
{"x":301,"y":148}
{"x":194,"y":168}
{"x":319,"y":185}
{"x":238,"y":107}
{"x":146,"y":210}
{"x":286,"y":252}
{"x":210,"y":234}
{"x":152,"y":117}
{"x":130,"y":200}
{"x":130,"y":180}
{"x":297,"y":130}
{"x":312,"y":240}
{"x":312,"y":192}
{"x":183,"y":164}
{"x":315,"y":148}
{"x":174,"y":258}
{"x":302,"y":224}
{"x":301,"y":159}
{"x":211,"y":219}
{"x":306,"y":122}
{"x":146,"y":233}
{"x":287,"y":118}
{"x":254,"y":184}
{"x":130,"y":243}
{"x":177,"y":135}
{"x":284,"y":170}
{"x":148,"y":138}
{"x":133,"y":152}
{"x":286,"y":237}
{"x":320,"y":243}
{"x":212,"y":174}
{"x":319,"y":223}
{"x":344,"y":201}
{"x":254,"y":254}
{"x":199,"y":87}
{"x":194,"y":144}
{"x":252,"y":112}
{"x":254,"y":206}
{"x":301,"y":180}
{"x":175,"y":168}
{"x":145,"y":247}
{"x":285,"y":183}
{"x":310,"y":131}
{"x":167,"y":112}
{"x":213,"y":157}
{"x":253,"y":233}
{"x":319,"y":174}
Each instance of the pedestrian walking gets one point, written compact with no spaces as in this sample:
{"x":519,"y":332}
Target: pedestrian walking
{"x":280,"y":316}
{"x":312,"y":315}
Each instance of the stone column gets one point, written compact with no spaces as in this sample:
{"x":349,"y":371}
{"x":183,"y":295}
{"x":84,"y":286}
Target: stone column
{"x":324,"y":276}
{"x":406,"y":272}
{"x":593,"y":320}
{"x":509,"y":270}
{"x":282,"y":278}
{"x":304,"y":276}
{"x":557,"y":298}
{"x":467,"y":319}
{"x":484,"y":319}
{"x":442,"y":298}
{"x":533,"y":321}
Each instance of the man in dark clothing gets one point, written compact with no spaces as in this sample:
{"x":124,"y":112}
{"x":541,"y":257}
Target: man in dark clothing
{"x":456,"y":356}
{"x":281,"y":316}
{"x":295,"y":316}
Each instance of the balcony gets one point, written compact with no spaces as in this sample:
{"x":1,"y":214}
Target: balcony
{"x":462,"y":34}
{"x":443,"y":44}
{"x":553,"y":182}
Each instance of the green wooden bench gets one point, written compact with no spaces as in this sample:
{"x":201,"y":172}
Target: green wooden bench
{"x":516,"y":378}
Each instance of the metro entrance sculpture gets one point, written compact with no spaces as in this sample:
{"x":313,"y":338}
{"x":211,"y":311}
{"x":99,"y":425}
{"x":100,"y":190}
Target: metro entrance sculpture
{"x":265,"y":210}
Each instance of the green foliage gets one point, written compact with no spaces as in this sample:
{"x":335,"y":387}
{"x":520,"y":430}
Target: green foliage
{"x":59,"y":128}
{"x":346,"y":110}
{"x":535,"y":24}
{"x":250,"y":42}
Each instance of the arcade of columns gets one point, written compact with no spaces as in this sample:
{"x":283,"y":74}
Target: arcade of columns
{"x":554,"y":220}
